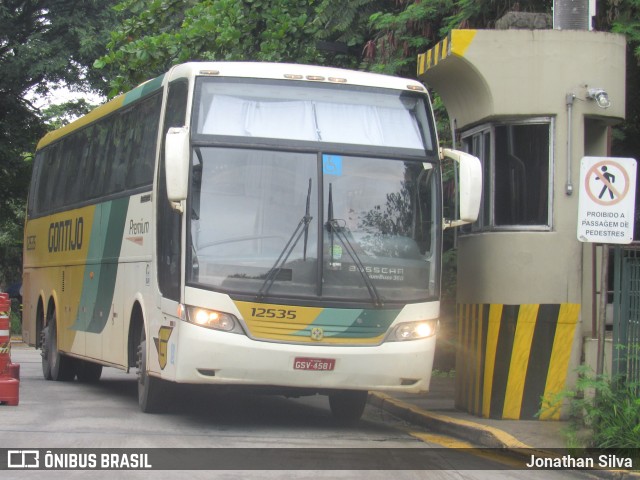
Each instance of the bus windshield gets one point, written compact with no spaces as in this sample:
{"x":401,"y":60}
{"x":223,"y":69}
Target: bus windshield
{"x":264,"y":222}
{"x":349,"y":224}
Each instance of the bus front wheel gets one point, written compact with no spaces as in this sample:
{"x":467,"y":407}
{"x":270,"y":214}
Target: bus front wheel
{"x":347,"y":406}
{"x":151,"y":391}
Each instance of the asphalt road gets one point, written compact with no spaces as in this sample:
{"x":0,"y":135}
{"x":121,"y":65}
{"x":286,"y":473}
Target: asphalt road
{"x":81,"y":417}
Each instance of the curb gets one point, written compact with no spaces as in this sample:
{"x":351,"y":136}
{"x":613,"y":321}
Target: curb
{"x":482,"y":435}
{"x":478,"y":434}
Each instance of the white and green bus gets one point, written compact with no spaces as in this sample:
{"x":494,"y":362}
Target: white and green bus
{"x":244,"y":224}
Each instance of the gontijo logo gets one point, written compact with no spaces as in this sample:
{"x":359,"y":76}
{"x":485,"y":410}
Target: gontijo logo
{"x":66,"y":235}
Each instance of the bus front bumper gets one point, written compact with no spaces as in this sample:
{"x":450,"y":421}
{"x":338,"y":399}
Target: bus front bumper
{"x":205,"y":356}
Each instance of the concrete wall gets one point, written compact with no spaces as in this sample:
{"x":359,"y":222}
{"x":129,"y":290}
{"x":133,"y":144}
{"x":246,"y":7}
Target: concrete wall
{"x":487,"y":73}
{"x":484,"y":75}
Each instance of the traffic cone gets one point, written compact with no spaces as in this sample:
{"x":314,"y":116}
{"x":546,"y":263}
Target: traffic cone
{"x":9,"y":372}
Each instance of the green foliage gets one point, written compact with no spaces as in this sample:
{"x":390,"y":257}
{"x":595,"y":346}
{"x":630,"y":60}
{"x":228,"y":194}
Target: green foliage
{"x":11,"y":223}
{"x":411,"y":27}
{"x":609,"y":410}
{"x":155,"y":35}
{"x":484,"y":13}
{"x":346,"y":25}
{"x":449,"y":274}
{"x":443,"y":124}
{"x":403,"y":32}
{"x":16,"y":324}
{"x":84,"y":43}
{"x":386,"y":34}
{"x":42,"y":43}
{"x":59,"y":115}
{"x":624,"y":17}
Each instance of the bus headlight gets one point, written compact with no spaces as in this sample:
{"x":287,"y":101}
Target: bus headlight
{"x":213,"y":319}
{"x":413,"y":330}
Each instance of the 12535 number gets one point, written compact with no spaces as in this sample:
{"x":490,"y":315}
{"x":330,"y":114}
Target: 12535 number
{"x":279,"y":313}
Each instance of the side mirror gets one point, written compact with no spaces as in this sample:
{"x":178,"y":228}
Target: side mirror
{"x":176,"y":165}
{"x":470,"y":186}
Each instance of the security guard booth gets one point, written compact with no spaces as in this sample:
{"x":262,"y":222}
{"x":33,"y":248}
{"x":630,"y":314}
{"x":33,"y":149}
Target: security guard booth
{"x":530,"y":104}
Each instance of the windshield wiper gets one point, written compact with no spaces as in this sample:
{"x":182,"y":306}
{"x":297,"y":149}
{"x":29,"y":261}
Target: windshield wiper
{"x":339,"y":227}
{"x":302,"y":228}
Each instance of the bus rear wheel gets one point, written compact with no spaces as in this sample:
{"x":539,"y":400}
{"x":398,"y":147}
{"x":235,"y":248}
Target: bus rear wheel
{"x":151,"y":390}
{"x":55,"y":365}
{"x":347,"y":406}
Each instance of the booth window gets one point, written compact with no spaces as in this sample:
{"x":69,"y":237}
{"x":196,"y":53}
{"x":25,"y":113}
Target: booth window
{"x":516,"y":159}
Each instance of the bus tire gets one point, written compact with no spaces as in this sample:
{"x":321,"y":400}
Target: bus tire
{"x":55,"y":365}
{"x":88,"y":372}
{"x":347,"y":406}
{"x":44,"y":340}
{"x":151,"y":391}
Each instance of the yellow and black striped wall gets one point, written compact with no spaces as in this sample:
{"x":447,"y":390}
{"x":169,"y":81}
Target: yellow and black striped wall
{"x":509,"y":357}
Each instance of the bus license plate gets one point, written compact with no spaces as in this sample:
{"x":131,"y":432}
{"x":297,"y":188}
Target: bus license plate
{"x":316,"y":364}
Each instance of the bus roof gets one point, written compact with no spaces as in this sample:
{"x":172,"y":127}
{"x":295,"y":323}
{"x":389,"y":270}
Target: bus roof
{"x":279,"y":71}
{"x":288,"y":71}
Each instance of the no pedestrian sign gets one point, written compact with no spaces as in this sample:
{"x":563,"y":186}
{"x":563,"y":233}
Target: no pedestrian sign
{"x":607,"y":196}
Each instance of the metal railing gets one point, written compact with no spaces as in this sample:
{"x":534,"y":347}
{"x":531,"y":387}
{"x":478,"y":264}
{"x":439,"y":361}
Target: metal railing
{"x":626,"y":313}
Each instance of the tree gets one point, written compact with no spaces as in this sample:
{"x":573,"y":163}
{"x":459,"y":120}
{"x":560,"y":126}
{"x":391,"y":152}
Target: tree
{"x":61,"y":114}
{"x":42,"y":43}
{"x":624,"y":17}
{"x":153,"y":35}
{"x":45,"y":41}
{"x":412,"y":27}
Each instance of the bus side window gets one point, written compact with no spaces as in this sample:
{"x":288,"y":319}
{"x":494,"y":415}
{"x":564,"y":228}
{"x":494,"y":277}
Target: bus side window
{"x":116,"y":166}
{"x":32,"y":206}
{"x":39,"y":186}
{"x":144,"y":135}
{"x":99,"y":151}
{"x":85,"y":169}
{"x":76,"y":146}
{"x":169,"y":221}
{"x":50,"y":173}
